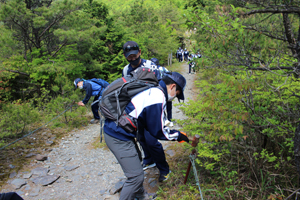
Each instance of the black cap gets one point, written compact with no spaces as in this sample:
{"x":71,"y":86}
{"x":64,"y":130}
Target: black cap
{"x":180,"y":80}
{"x":130,"y":47}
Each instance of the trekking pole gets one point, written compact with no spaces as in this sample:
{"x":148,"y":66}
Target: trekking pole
{"x":194,"y":144}
{"x":101,"y":128}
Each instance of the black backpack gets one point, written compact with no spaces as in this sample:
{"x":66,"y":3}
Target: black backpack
{"x":118,"y":94}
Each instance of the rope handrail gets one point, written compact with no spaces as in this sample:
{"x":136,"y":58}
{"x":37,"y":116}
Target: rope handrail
{"x":35,"y":129}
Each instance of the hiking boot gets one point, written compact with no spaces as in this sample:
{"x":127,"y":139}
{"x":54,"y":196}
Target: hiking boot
{"x":95,"y":121}
{"x":147,"y":166}
{"x":164,"y":177}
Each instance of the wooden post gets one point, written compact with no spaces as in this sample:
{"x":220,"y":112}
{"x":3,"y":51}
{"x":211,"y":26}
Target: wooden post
{"x":194,"y":144}
{"x":171,"y":59}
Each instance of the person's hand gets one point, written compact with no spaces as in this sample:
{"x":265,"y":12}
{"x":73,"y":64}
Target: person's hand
{"x":183,"y":138}
{"x":80,"y":103}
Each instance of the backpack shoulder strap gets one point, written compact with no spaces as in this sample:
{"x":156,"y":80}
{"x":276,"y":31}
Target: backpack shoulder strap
{"x":125,"y":70}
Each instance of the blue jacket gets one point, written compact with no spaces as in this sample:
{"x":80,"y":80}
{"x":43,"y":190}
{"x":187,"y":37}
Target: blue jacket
{"x":92,"y":89}
{"x":148,"y":107}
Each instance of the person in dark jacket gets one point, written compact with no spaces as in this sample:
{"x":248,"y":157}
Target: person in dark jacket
{"x":186,"y":55}
{"x":154,"y":154}
{"x":92,"y":88}
{"x":148,"y":108}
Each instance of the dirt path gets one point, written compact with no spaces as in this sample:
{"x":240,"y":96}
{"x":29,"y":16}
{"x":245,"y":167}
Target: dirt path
{"x":75,"y":170}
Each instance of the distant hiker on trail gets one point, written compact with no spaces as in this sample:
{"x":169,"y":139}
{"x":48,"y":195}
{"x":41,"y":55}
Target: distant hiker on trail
{"x":186,"y":55}
{"x":199,"y":55}
{"x":147,"y":108}
{"x":191,"y":64}
{"x":179,"y":54}
{"x":93,"y":87}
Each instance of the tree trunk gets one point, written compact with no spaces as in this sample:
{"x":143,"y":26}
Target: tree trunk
{"x":297,"y":149}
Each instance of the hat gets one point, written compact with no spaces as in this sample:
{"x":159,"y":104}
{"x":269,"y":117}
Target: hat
{"x":180,"y":80}
{"x":76,"y":82}
{"x":130,"y":47}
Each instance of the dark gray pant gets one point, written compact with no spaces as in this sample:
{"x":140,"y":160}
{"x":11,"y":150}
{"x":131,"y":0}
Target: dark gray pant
{"x":127,"y":155}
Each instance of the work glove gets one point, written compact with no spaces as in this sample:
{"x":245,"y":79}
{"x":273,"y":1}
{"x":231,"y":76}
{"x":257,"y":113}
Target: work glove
{"x":183,"y":138}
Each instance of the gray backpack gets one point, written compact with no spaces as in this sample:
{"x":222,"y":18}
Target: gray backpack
{"x":118,"y":94}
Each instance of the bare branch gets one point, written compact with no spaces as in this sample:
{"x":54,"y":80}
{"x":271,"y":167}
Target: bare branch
{"x":22,"y":73}
{"x":275,"y":10}
{"x":63,"y":44}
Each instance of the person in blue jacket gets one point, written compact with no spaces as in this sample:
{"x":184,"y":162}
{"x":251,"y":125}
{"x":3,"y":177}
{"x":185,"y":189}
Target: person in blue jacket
{"x":92,"y":88}
{"x":148,"y":108}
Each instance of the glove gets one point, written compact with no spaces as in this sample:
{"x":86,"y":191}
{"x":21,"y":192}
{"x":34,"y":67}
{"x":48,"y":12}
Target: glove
{"x":183,"y":138}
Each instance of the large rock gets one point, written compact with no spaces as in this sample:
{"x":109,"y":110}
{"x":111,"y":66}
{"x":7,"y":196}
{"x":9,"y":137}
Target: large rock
{"x":34,"y":192}
{"x":45,"y":180}
{"x":40,"y":157}
{"x":71,"y":167}
{"x":40,"y":171}
{"x":27,"y":175}
{"x":30,"y":155}
{"x":18,"y":183}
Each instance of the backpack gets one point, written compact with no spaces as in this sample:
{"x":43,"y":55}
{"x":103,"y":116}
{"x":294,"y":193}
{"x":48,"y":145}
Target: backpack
{"x":118,"y":95}
{"x":99,"y":81}
{"x":146,"y":64}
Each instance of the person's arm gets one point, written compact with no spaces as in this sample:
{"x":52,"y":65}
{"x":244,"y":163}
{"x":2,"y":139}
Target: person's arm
{"x":88,"y":89}
{"x":154,"y":118}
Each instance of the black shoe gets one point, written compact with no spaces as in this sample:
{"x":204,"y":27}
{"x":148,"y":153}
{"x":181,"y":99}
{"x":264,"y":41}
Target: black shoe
{"x":147,"y":166}
{"x":164,"y":177}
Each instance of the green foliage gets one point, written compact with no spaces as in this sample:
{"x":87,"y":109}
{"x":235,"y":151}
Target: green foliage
{"x":14,"y":119}
{"x":245,"y":115}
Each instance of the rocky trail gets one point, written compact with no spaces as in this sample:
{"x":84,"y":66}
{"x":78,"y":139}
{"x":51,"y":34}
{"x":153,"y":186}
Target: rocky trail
{"x":75,"y":169}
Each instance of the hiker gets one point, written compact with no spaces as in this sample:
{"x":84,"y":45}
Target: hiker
{"x":186,"y":54}
{"x":153,"y":151}
{"x":93,"y":87}
{"x":147,"y":108}
{"x":191,"y":63}
{"x":179,"y":54}
{"x":199,"y":55}
{"x":154,"y":154}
